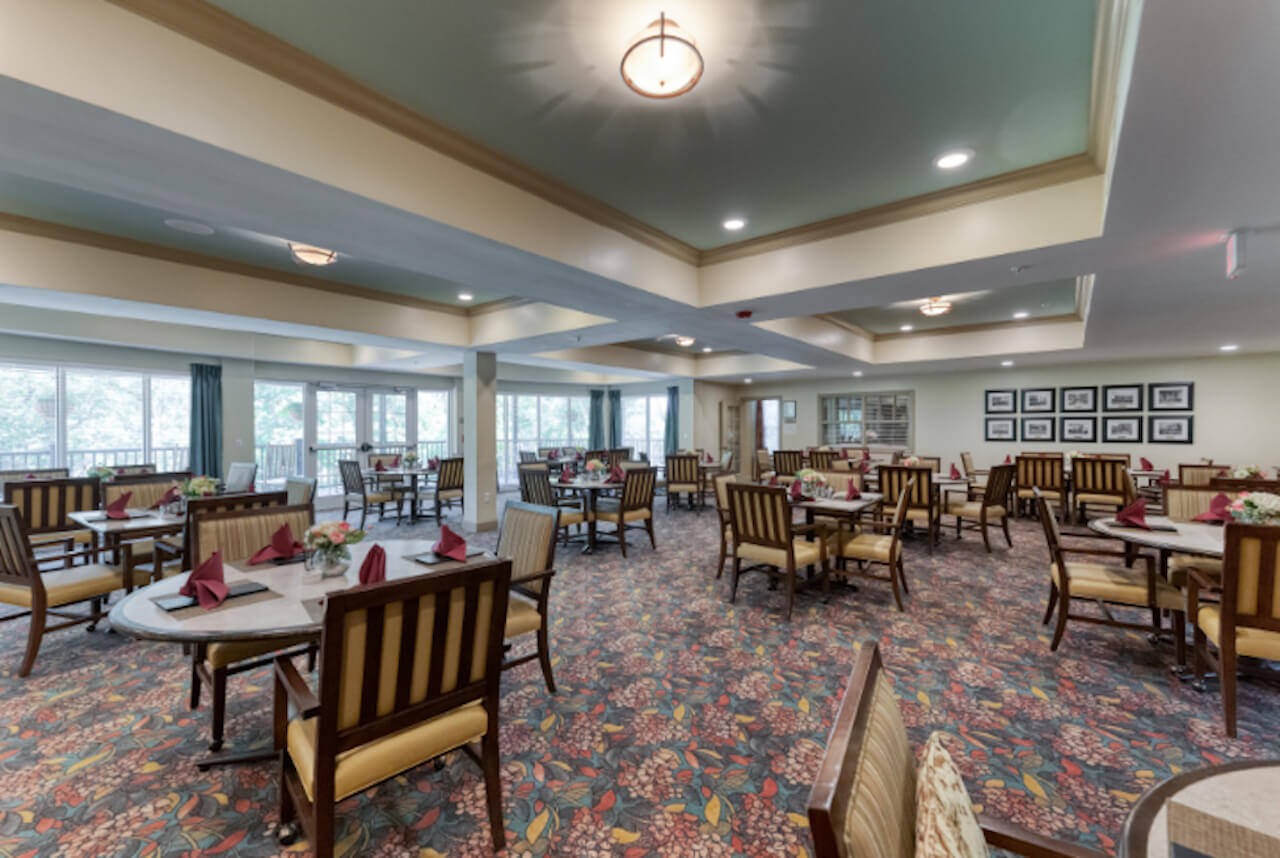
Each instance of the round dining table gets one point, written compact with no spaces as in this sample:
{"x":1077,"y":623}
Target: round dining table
{"x":1175,"y":537}
{"x":590,"y":490}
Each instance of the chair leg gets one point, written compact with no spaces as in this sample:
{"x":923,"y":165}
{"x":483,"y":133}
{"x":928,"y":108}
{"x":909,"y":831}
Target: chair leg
{"x":1053,"y":600}
{"x":894,"y":570}
{"x":219,"y":694}
{"x":1180,"y":639}
{"x":1062,"y":622}
{"x":322,"y":845}
{"x":35,"y":633}
{"x":1199,"y":641}
{"x":622,"y":533}
{"x":648,"y":524}
{"x":791,"y":593}
{"x":723,"y":547}
{"x":985,"y":540}
{"x":1004,"y":525}
{"x":196,"y":658}
{"x":544,"y":656}
{"x":493,"y":787}
{"x":364,"y":511}
{"x":1227,"y":685}
{"x":733,"y":581}
{"x":902,"y":573}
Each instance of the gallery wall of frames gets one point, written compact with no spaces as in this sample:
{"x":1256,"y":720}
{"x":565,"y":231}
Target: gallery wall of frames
{"x":1154,"y":412}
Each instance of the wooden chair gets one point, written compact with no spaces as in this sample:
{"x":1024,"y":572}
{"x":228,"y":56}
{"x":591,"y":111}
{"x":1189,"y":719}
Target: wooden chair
{"x":683,"y":478}
{"x":922,"y":500}
{"x":178,"y":549}
{"x":300,"y":490}
{"x":238,"y":534}
{"x":764,"y":536}
{"x":535,"y":488}
{"x":1184,"y":503}
{"x":820,"y":460}
{"x":20,"y":474}
{"x":527,"y":537}
{"x":240,"y":477}
{"x":1106,"y":585}
{"x":1247,"y":622}
{"x":1099,"y":482}
{"x":863,"y":802}
{"x":1200,"y":475}
{"x":878,"y":542}
{"x":722,"y":483}
{"x":145,"y":490}
{"x":933,"y":463}
{"x":635,"y":504}
{"x":134,"y":469}
{"x":392,"y":697}
{"x":981,"y":511}
{"x":1234,"y":486}
{"x":448,"y":485}
{"x":357,"y":495}
{"x":600,"y":455}
{"x":46,"y":506}
{"x":45,"y":594}
{"x":762,"y":466}
{"x":787,"y":462}
{"x":977,"y":475}
{"x":1046,"y":472}
{"x":528,"y":457}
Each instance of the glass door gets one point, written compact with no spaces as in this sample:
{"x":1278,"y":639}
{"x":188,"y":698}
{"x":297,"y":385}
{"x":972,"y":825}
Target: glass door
{"x":388,"y":421}
{"x":337,"y":436}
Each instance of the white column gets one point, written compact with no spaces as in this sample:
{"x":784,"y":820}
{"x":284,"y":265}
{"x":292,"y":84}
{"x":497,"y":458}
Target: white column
{"x":480,"y":443}
{"x":237,"y":412}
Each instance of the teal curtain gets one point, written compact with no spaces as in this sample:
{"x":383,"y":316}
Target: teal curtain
{"x":671,"y":439}
{"x":615,"y":419}
{"x":595,"y":421}
{"x":206,"y":420}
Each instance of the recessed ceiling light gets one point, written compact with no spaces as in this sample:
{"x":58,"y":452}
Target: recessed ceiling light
{"x":857,"y":373}
{"x":309,"y":254}
{"x":1006,"y":363}
{"x":706,"y":350}
{"x":466,"y":296}
{"x":685,"y":341}
{"x":746,"y":381}
{"x":734,"y":224}
{"x":1021,"y":314}
{"x":194,"y":227}
{"x":907,"y":328}
{"x":1230,"y":347}
{"x":952,"y":159}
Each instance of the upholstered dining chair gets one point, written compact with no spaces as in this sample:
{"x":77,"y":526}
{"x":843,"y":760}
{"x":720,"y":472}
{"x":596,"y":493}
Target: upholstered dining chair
{"x":300,"y":490}
{"x":820,"y":460}
{"x":1043,"y":471}
{"x":721,"y":482}
{"x":683,"y":478}
{"x":1247,"y":621}
{"x":238,"y":534}
{"x":982,"y":511}
{"x":448,"y":485}
{"x":1106,"y":584}
{"x":1183,"y":503}
{"x":634,"y":505}
{"x":762,"y":465}
{"x":765,"y":537}
{"x":877,"y":542}
{"x":1099,"y":483}
{"x":356,"y":494}
{"x":599,"y":455}
{"x":933,"y":463}
{"x":869,"y":798}
{"x":923,"y":509}
{"x":528,"y":457}
{"x":20,"y":474}
{"x":787,"y":462}
{"x":535,"y":488}
{"x":979,"y":476}
{"x":146,"y":489}
{"x":409,"y":670}
{"x":1199,"y":475}
{"x":46,"y":594}
{"x":46,"y":506}
{"x":527,"y":537}
{"x":617,"y":456}
{"x":175,"y":552}
{"x":240,"y":477}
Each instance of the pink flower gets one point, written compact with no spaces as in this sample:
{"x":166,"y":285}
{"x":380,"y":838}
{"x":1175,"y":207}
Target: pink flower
{"x":337,"y":537}
{"x":343,"y":526}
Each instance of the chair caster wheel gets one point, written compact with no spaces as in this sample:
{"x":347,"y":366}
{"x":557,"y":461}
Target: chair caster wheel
{"x":215,"y":746}
{"x":287,"y":834}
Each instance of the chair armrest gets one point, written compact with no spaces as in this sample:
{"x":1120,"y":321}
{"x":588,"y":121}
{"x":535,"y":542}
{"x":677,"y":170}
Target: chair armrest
{"x":84,"y":552}
{"x":296,"y":688}
{"x":886,"y":526}
{"x":536,"y":576}
{"x":804,"y":528}
{"x":1023,"y":841}
{"x":162,"y":547}
{"x":1097,"y":553}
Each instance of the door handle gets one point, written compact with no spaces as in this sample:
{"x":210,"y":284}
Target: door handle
{"x":366,"y":447}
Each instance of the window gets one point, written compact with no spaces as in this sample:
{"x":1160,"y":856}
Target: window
{"x":529,"y":422}
{"x":771,"y":411}
{"x":388,"y":422}
{"x":278,"y":430}
{"x":644,"y":426}
{"x":104,"y":418}
{"x":433,"y":423}
{"x":28,"y":417}
{"x":170,"y":422}
{"x":879,"y":419}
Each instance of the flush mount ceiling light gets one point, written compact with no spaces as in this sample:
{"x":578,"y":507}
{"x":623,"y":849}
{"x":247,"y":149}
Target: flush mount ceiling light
{"x":308,"y":254}
{"x":734,"y":224}
{"x":746,"y":381}
{"x":953,"y":159}
{"x":1228,"y":348}
{"x":857,"y":373}
{"x":706,"y":350}
{"x":685,"y":341}
{"x":662,"y":60}
{"x":466,"y":296}
{"x":1021,"y":314}
{"x":935,"y":307}
{"x":1006,"y":363}
{"x":194,"y":227}
{"x":906,"y":328}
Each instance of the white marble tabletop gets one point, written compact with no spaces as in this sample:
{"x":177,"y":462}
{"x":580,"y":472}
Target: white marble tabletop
{"x":138,"y":520}
{"x":841,"y":506}
{"x":1188,"y":537}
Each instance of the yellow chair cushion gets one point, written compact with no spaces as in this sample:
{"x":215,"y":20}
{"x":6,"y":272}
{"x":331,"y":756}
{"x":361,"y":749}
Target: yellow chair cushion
{"x":870,"y":546}
{"x":79,"y":537}
{"x":449,"y":494}
{"x":522,"y":616}
{"x":1117,"y":584}
{"x":221,"y":655}
{"x":920,"y":516}
{"x":946,"y":826}
{"x":807,"y":553}
{"x":366,"y":765}
{"x":1050,"y":494}
{"x":973,"y":509}
{"x":611,"y":515}
{"x":682,"y":488}
{"x":379,"y":497}
{"x":1180,"y":563}
{"x":570,"y":517}
{"x":1115,"y":500}
{"x":64,"y":586}
{"x":1258,"y":643}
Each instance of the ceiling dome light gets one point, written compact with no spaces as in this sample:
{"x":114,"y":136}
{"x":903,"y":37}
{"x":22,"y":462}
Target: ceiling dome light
{"x":1021,"y":314}
{"x":1228,"y":348}
{"x":706,"y":350}
{"x":953,"y":159}
{"x":194,"y":227}
{"x":308,"y":254}
{"x":857,"y":373}
{"x":685,"y":341}
{"x":734,"y":224}
{"x":662,"y":60}
{"x":935,"y":307}
{"x":746,"y":381}
{"x":1006,"y":363}
{"x":466,"y":296}
{"x":906,"y":328}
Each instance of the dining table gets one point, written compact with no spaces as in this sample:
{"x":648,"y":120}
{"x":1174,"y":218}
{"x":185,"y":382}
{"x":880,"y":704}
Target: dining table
{"x":590,"y":490}
{"x":402,"y":476}
{"x":118,"y":535}
{"x":1202,"y":539}
{"x":292,"y":605}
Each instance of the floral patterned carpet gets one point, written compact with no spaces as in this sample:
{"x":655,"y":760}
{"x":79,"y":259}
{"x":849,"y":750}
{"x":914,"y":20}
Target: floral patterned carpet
{"x":683,"y":726}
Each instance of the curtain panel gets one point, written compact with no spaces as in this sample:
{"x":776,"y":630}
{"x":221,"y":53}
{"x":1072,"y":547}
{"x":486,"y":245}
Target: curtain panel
{"x":206,"y":420}
{"x":595,"y":421}
{"x":671,"y":438}
{"x":615,"y":419}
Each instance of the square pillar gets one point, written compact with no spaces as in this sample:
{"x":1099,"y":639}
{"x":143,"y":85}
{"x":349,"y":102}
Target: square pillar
{"x":480,"y":441}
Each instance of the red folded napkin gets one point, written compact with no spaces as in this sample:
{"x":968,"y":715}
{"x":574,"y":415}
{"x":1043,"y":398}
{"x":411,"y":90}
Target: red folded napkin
{"x":866,"y":466}
{"x":852,"y":492}
{"x":395,"y":463}
{"x":1219,"y":509}
{"x":955,"y":472}
{"x":1134,"y":514}
{"x":433,"y":462}
{"x":1008,"y":460}
{"x":797,"y":491}
{"x":844,"y":452}
{"x":1164,"y":478}
{"x":773,"y":481}
{"x":378,"y":466}
{"x":374,"y":568}
{"x":118,"y":507}
{"x":206,"y":584}
{"x":710,"y":458}
{"x":450,"y":545}
{"x":615,"y":475}
{"x":866,"y":455}
{"x":169,"y":497}
{"x":282,"y":545}
{"x":1146,"y":463}
{"x":566,"y":476}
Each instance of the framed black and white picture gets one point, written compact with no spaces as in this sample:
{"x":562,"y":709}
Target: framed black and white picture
{"x":789,"y":411}
{"x":1038,"y":400}
{"x":1078,"y":399}
{"x":1082,"y":430}
{"x":1002,"y":429}
{"x":1002,"y":401}
{"x":1122,"y":430}
{"x":1171,"y":396}
{"x":1037,"y":428}
{"x":1169,"y":430}
{"x":1122,"y":397}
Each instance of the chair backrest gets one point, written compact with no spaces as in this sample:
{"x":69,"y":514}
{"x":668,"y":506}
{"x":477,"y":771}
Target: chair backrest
{"x":1183,"y":503}
{"x":999,"y":484}
{"x":600,"y":455}
{"x":933,"y":463}
{"x":637,"y":488}
{"x":240,"y":476}
{"x":761,"y":464}
{"x":239,"y":533}
{"x":527,"y":456}
{"x":197,"y":507}
{"x":1041,"y":471}
{"x":1115,"y":457}
{"x":45,"y":504}
{"x":133,"y":469}
{"x":32,"y":474}
{"x":618,"y":456}
{"x":399,"y":653}
{"x":300,"y":490}
{"x":900,"y":515}
{"x":388,"y":460}
{"x":145,"y":490}
{"x":527,"y":537}
{"x":682,"y":469}
{"x":863,"y":802}
{"x":17,"y":565}
{"x":1199,"y":475}
{"x":722,"y":482}
{"x":1250,"y":578}
{"x":1100,"y":476}
{"x":787,"y":462}
{"x":535,"y":485}
{"x":820,"y":460}
{"x":839,"y":480}
{"x":761,"y":515}
{"x":450,"y":474}
{"x":1051,"y":535}
{"x":545,"y":452}
{"x":966,"y":461}
{"x":1232,"y":485}
{"x":352,"y":477}
{"x":894,"y":479}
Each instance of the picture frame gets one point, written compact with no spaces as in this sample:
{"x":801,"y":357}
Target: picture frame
{"x":1171,"y":396}
{"x":1079,"y":430}
{"x":1002,"y":401}
{"x":1122,"y":397}
{"x":1001,"y":429}
{"x":1039,"y":400}
{"x":788,"y":411}
{"x":1078,"y":399}
{"x":1038,"y":429}
{"x":1170,"y":429}
{"x":1122,"y":430}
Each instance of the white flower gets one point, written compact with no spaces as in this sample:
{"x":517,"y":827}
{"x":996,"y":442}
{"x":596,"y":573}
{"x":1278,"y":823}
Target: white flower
{"x":1265,"y":503}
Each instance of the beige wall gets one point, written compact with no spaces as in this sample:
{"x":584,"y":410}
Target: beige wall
{"x":707,"y":399}
{"x":1235,"y":410}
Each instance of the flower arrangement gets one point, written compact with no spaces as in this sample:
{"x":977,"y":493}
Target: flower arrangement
{"x":198,"y":487}
{"x":102,"y":472}
{"x":1256,"y":508}
{"x":911,"y":461}
{"x":1246,"y":472}
{"x":329,"y":543}
{"x":410,"y":459}
{"x":810,"y":480}
{"x":593,"y":466}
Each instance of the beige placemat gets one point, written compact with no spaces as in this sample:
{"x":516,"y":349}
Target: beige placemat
{"x":197,"y":611}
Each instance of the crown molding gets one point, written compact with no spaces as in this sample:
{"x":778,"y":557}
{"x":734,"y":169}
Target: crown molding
{"x":978,"y":326}
{"x":1114,"y":38}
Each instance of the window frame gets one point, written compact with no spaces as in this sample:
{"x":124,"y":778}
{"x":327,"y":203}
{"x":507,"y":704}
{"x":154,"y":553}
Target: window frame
{"x":864,"y":422}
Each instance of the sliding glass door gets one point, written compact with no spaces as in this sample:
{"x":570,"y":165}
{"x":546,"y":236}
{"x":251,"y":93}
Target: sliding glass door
{"x":337,"y":436}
